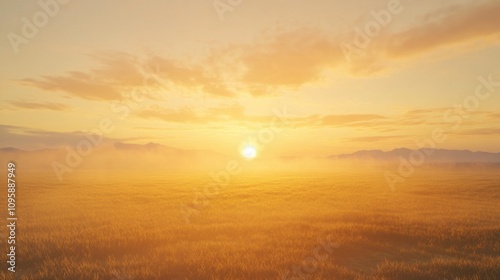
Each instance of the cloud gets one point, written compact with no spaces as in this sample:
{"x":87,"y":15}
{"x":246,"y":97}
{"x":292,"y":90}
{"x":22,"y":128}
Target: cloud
{"x":224,"y":114}
{"x":195,"y":77}
{"x":290,"y":59}
{"x":426,"y":112}
{"x":370,"y":139}
{"x":116,"y":73}
{"x":278,"y":60}
{"x":451,"y":26}
{"x":343,"y":120}
{"x":30,"y":138}
{"x":120,"y":72}
{"x":118,"y":69}
{"x":75,"y":84}
{"x":284,"y":59}
{"x":27,"y":138}
{"x":184,"y":115}
{"x":45,"y":105}
{"x":293,"y":58}
{"x":400,"y":126}
{"x":431,"y":117}
{"x":478,"y":132}
{"x":287,"y":58}
{"x":494,"y":115}
{"x":235,"y":113}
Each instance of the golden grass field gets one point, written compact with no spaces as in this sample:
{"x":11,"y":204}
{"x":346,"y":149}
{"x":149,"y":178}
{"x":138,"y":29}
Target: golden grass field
{"x":436,"y":225}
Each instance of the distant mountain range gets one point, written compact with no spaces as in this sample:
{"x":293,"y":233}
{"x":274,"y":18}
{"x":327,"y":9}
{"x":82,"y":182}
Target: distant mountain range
{"x":431,"y":155}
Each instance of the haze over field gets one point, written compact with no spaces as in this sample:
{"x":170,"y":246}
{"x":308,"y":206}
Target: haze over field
{"x":235,"y":139}
{"x":118,"y":156}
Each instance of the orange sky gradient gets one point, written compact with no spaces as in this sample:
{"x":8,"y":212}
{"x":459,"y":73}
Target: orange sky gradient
{"x":185,"y":76}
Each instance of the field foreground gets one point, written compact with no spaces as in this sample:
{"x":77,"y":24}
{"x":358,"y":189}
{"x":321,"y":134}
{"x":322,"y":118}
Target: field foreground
{"x":435,"y":225}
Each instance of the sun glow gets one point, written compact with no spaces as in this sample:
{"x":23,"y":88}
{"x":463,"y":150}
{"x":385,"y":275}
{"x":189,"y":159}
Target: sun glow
{"x":249,"y":152}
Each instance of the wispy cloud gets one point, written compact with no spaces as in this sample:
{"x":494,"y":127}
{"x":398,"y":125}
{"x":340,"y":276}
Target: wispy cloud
{"x":40,"y":106}
{"x":193,"y":77}
{"x":223,"y":114}
{"x":343,"y":120}
{"x":75,"y":84}
{"x":31,"y":138}
{"x":478,"y":132}
{"x":454,"y":25}
{"x":371,"y":139}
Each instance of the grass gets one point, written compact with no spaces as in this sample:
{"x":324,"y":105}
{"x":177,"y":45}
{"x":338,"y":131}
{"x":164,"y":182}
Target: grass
{"x":436,"y":225}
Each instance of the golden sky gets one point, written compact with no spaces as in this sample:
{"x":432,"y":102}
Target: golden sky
{"x":210,"y":74}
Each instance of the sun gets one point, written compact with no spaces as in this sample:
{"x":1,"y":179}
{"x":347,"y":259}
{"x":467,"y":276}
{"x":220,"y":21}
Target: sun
{"x":249,"y":152}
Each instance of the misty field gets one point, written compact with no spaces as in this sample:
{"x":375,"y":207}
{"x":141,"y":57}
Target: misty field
{"x":436,"y":225}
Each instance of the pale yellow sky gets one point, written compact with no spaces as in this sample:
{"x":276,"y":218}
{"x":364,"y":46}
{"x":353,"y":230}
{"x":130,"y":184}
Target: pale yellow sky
{"x":211,"y":80}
